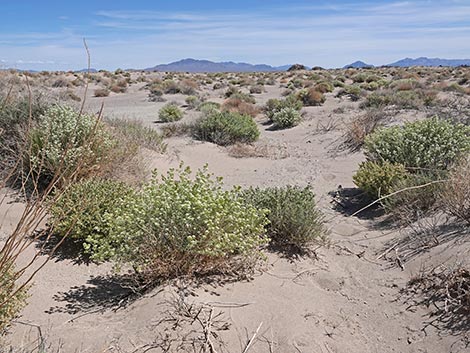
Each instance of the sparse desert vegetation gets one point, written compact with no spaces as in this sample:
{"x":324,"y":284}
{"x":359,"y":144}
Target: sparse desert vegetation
{"x":235,"y":212}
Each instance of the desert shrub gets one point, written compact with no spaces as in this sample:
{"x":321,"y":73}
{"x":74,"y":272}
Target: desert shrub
{"x":294,"y":219}
{"x":209,"y":107}
{"x":275,"y":105}
{"x":363,"y":125}
{"x":178,"y":225}
{"x":413,"y":197}
{"x":64,"y":140}
{"x":170,"y":112}
{"x":239,"y":106}
{"x":455,"y":194}
{"x":405,"y":99}
{"x":286,"y":118}
{"x":233,"y":92}
{"x":188,"y":87}
{"x":176,"y":129}
{"x":430,"y":144}
{"x":133,"y":132}
{"x":354,"y":92}
{"x":101,"y":92}
{"x":15,"y":115}
{"x":170,"y":87}
{"x":12,"y":298}
{"x":311,"y":97}
{"x":324,"y":87}
{"x":378,"y":179}
{"x":258,"y":89}
{"x":226,"y":128}
{"x":80,"y":212}
{"x":192,"y":102}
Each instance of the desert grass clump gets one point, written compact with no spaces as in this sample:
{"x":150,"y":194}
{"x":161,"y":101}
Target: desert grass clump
{"x":294,"y":219}
{"x":169,"y":113}
{"x":178,"y":225}
{"x":135,"y":133}
{"x":12,"y":297}
{"x":455,"y":194}
{"x":226,"y":128}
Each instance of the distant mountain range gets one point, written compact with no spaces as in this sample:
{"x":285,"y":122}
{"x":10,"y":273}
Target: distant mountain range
{"x":193,"y":65}
{"x":423,"y":61}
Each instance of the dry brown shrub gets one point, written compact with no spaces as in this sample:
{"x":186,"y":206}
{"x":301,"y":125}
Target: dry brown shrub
{"x":239,"y":106}
{"x":314,"y":97}
{"x":363,"y":125}
{"x":101,"y":92}
{"x":455,"y":196}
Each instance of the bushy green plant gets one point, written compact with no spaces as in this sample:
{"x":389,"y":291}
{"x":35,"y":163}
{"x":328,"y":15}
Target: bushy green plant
{"x":294,"y":218}
{"x":378,"y":179}
{"x":209,"y":107}
{"x":170,"y":112}
{"x":275,"y":105}
{"x":178,"y":225}
{"x":226,"y":128}
{"x":430,"y":144}
{"x":286,"y":118}
{"x":65,"y":142}
{"x":81,"y":211}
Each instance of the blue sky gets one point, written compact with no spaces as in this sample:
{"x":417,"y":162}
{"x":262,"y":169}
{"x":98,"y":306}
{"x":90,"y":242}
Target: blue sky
{"x":47,"y":35}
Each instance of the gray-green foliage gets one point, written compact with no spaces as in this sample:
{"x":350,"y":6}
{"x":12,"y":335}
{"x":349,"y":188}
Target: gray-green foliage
{"x":170,"y":112}
{"x":226,"y":128}
{"x":286,"y":118}
{"x":428,"y":144}
{"x":294,"y":217}
{"x":65,"y":141}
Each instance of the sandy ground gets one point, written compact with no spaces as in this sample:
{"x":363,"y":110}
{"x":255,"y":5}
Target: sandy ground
{"x":345,"y":299}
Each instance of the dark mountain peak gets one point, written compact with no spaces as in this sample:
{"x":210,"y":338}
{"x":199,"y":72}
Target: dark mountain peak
{"x":358,"y":65}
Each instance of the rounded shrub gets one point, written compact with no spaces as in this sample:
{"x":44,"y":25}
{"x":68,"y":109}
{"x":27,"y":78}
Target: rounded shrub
{"x":68,"y":143}
{"x":81,"y":211}
{"x":178,"y":225}
{"x":378,"y":179}
{"x":275,"y":105}
{"x":209,"y":107}
{"x":286,"y":118}
{"x":226,"y":128}
{"x":430,"y":144}
{"x":311,"y":97}
{"x":170,"y":112}
{"x":294,"y":219}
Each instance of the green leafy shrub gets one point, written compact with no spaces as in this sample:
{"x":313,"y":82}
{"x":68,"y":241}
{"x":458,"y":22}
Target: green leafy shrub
{"x":170,"y":112}
{"x":178,"y":225}
{"x":378,"y":179}
{"x":275,"y":105}
{"x":81,"y":211}
{"x":286,"y":118}
{"x":192,"y":102}
{"x":430,"y":144}
{"x":226,"y":128}
{"x":67,"y":142}
{"x":207,"y":108}
{"x":294,"y":218}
